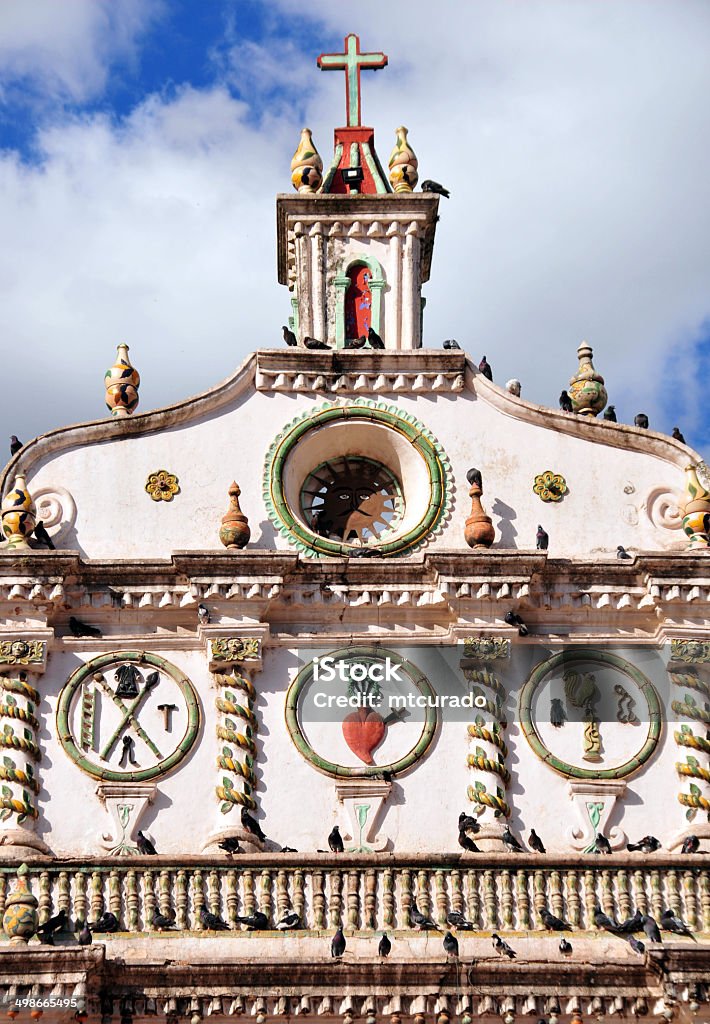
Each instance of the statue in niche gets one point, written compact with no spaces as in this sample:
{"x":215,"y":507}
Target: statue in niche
{"x":582,"y":692}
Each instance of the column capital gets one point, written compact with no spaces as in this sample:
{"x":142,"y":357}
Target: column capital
{"x":26,"y":651}
{"x":235,"y":647}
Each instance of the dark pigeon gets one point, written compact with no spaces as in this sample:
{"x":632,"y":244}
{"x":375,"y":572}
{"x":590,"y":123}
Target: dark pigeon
{"x":502,"y":948}
{"x":457,"y":920}
{"x":313,"y":343}
{"x":565,"y":947}
{"x":337,"y":946}
{"x":80,"y":628}
{"x":691,"y":844}
{"x":433,"y":186}
{"x":335,"y":840}
{"x":289,"y":922}
{"x":211,"y":922}
{"x":384,"y":947}
{"x":83,"y":935}
{"x":621,"y":552}
{"x":474,"y":477}
{"x":637,"y":945}
{"x":513,"y":619}
{"x":610,"y":414}
{"x":467,"y":844}
{"x":230,"y":845}
{"x":510,"y":842}
{"x":552,"y":923}
{"x":108,"y":922}
{"x":451,"y":343}
{"x":484,"y":367}
{"x":161,"y":922}
{"x":566,"y":402}
{"x":451,"y":945}
{"x":420,"y":920}
{"x":289,"y":336}
{"x":641,"y":420}
{"x":255,"y":922}
{"x":535,"y":843}
{"x":356,"y":342}
{"x":42,"y":536}
{"x":203,"y":614}
{"x":252,"y":825}
{"x":15,"y":444}
{"x":671,"y":923}
{"x":631,"y":924}
{"x":542,"y":539}
{"x":145,"y":846}
{"x":602,"y":920}
{"x":601,"y":844}
{"x":374,"y":339}
{"x":653,"y":932}
{"x":677,"y":435}
{"x":649,"y":844}
{"x":467,"y":823}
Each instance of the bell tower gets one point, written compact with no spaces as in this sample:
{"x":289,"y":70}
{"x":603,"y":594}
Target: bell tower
{"x":355,"y":245}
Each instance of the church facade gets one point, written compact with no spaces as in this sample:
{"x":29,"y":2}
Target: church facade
{"x":356,"y":584}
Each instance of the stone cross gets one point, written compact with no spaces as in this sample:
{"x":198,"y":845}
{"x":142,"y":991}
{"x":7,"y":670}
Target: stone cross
{"x":351,"y":62}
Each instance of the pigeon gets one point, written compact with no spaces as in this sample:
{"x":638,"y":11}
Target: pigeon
{"x":211,"y":922}
{"x":335,"y":840}
{"x":289,"y":336}
{"x":451,"y":945}
{"x":566,"y":402}
{"x":565,"y":947}
{"x":513,"y":619}
{"x":601,"y":844}
{"x":691,"y":844}
{"x":434,"y":186}
{"x":671,"y":923}
{"x":641,"y":420}
{"x":255,"y":922}
{"x":535,"y":843}
{"x":552,"y":923}
{"x":621,"y":552}
{"x":356,"y":342}
{"x":557,"y":713}
{"x":631,"y":924}
{"x":649,"y":844}
{"x":677,"y":435}
{"x":637,"y":945}
{"x":602,"y":920}
{"x":610,"y":414}
{"x":451,"y":343}
{"x":79,"y":628}
{"x":252,"y":825}
{"x":502,"y":948}
{"x":42,"y":536}
{"x":467,"y":823}
{"x":374,"y":339}
{"x":57,"y":923}
{"x":313,"y":343}
{"x":467,"y":844}
{"x":474,"y":477}
{"x":108,"y":922}
{"x":542,"y":539}
{"x":653,"y":932}
{"x":230,"y":845}
{"x":15,"y":444}
{"x":288,"y":849}
{"x":289,"y":922}
{"x":83,"y":935}
{"x":337,"y":946}
{"x":384,"y":946}
{"x":144,"y":845}
{"x":514,"y":386}
{"x":422,"y":922}
{"x":510,"y":842}
{"x":485,"y":368}
{"x":161,"y":922}
{"x":457,"y":920}
{"x":203,"y":614}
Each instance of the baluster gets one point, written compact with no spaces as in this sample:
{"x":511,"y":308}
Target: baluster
{"x":80,"y":901}
{"x":574,"y":904}
{"x":673,"y":893}
{"x":523,"y":899}
{"x":691,"y":904}
{"x":607,"y":900}
{"x":249,"y":898}
{"x":423,"y":898}
{"x":299,"y":900}
{"x":639,"y":888}
{"x":335,"y":906}
{"x":457,"y":902}
{"x":556,"y":897}
{"x":353,"y":898}
{"x":45,"y":898}
{"x":705,"y":900}
{"x":181,"y":900}
{"x":622,"y":880}
{"x":114,"y":894}
{"x":198,"y":898}
{"x":441,"y":897}
{"x":265,"y":898}
{"x":132,"y":899}
{"x":491,"y":900}
{"x":283,"y":902}
{"x":63,"y":893}
{"x":539,"y":893}
{"x":405,"y":897}
{"x":318,"y":897}
{"x":164,"y":898}
{"x":149,"y":901}
{"x":388,"y":898}
{"x":507,"y":898}
{"x":656,"y":894}
{"x":371,"y":899}
{"x":232,"y":897}
{"x":473,"y":899}
{"x":97,"y":895}
{"x":590,"y":896}
{"x":214,"y":901}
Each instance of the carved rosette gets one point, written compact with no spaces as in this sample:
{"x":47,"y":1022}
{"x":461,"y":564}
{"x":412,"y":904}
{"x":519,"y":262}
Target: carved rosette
{"x":487,"y":751}
{"x":122,"y":381}
{"x":694,"y":749}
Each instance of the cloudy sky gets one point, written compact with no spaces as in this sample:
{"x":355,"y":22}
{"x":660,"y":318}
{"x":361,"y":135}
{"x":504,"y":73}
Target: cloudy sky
{"x":142,"y":143}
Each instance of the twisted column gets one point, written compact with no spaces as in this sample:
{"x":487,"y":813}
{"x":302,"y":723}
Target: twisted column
{"x":695,"y":749}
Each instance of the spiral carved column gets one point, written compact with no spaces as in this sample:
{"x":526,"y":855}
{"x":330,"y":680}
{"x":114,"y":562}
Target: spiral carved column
{"x":693,"y":705}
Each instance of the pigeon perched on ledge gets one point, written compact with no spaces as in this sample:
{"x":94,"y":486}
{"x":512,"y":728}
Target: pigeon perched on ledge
{"x":289,"y":336}
{"x":433,"y":186}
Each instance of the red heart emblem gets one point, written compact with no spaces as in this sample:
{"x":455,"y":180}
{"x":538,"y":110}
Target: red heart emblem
{"x":363,"y":731}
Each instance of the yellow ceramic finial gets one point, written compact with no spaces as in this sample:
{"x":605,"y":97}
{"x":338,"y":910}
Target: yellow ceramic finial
{"x":306,"y":166}
{"x":122,"y":381}
{"x":403,"y":164}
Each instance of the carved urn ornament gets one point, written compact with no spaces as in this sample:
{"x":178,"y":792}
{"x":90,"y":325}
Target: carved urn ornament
{"x":234,"y":531}
{"x":479,"y":531}
{"x":19,"y":515}
{"x":586,"y":388}
{"x":306,"y":166}
{"x":696,"y":511}
{"x":20,"y":918}
{"x":403,"y":164}
{"x":122,"y":381}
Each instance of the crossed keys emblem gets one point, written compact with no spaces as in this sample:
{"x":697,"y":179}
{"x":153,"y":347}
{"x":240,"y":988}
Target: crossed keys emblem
{"x":129,"y":679}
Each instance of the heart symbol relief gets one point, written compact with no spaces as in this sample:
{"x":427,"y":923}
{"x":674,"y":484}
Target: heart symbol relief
{"x":363,"y":730}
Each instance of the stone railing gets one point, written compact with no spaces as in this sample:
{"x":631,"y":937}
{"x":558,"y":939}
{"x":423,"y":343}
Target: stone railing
{"x":371,"y":892}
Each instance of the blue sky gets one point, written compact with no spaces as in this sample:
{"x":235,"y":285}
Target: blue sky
{"x":142,"y":143}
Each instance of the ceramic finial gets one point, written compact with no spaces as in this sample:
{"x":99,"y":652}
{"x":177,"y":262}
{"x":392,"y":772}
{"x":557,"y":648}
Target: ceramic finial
{"x":19,"y":516}
{"x":306,"y":166}
{"x":234,"y":531}
{"x":586,"y":388}
{"x":403,"y":163}
{"x":122,"y":381}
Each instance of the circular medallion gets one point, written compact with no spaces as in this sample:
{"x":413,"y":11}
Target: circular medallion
{"x":350,"y":713}
{"x":356,"y":478}
{"x":590,"y":715}
{"x":127,"y":716}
